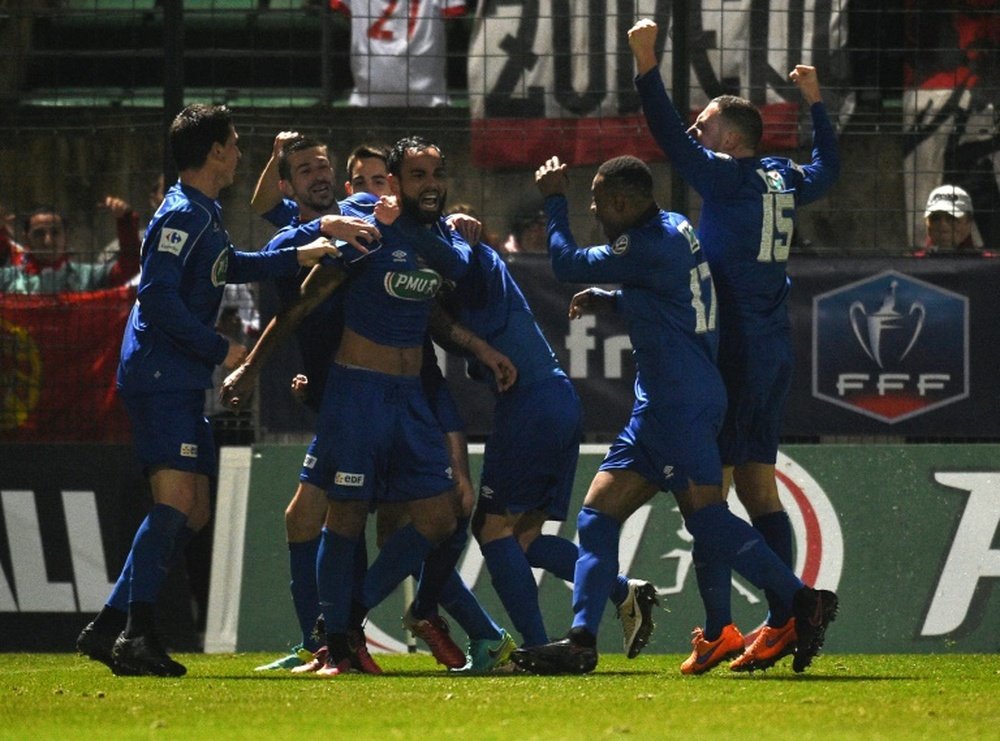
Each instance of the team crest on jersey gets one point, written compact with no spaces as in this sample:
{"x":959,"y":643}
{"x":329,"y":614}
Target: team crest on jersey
{"x":775,"y":181}
{"x":690,"y":235}
{"x":189,"y":450}
{"x":219,"y":269}
{"x":412,"y":285}
{"x":621,"y":245}
{"x":172,"y":241}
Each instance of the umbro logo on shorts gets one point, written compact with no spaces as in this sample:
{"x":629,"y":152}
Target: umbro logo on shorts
{"x":189,"y":450}
{"x":349,"y":479}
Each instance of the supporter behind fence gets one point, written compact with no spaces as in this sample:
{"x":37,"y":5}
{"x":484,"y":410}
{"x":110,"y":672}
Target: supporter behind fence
{"x":60,"y":331}
{"x":950,"y":226}
{"x":399,"y":50}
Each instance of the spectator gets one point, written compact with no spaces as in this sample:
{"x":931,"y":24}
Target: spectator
{"x":948,"y":219}
{"x":127,"y":236}
{"x":398,"y":50}
{"x":951,"y":74}
{"x":11,"y":253}
{"x":47,"y":267}
{"x":528,"y":232}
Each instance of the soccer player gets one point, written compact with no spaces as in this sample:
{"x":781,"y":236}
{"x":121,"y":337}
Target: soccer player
{"x":669,"y":443}
{"x":746,"y":226}
{"x":300,"y":175}
{"x":305,"y":180}
{"x":168,"y":352}
{"x":531,"y":455}
{"x":399,"y":455}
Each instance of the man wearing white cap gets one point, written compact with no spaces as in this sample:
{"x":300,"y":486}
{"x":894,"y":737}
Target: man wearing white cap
{"x":948,"y":219}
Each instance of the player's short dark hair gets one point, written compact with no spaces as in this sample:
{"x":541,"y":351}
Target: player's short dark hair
{"x":195,"y":129}
{"x":41,"y":211}
{"x":398,"y":152}
{"x":627,"y":175}
{"x":743,"y":116}
{"x":367,"y":152}
{"x":292,"y":146}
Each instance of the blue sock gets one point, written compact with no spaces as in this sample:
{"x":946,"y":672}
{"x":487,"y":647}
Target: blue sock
{"x":554,"y":554}
{"x":401,"y":555}
{"x":714,"y":585}
{"x":726,"y":537}
{"x":118,"y":599}
{"x":777,"y":531}
{"x":513,"y":582}
{"x":459,"y":602}
{"x":335,"y":579}
{"x":438,"y":567}
{"x":151,"y":550}
{"x":302,"y":558}
{"x":619,"y":590}
{"x":119,"y":593}
{"x":596,"y":568}
{"x":360,"y":571}
{"x":558,"y":556}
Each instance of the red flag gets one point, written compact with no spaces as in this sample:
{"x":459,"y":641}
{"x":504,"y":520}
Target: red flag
{"x":58,"y":358}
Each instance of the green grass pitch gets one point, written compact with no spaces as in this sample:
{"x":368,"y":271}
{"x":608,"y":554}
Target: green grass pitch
{"x":62,"y":696}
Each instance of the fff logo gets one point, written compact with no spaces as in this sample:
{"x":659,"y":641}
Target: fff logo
{"x":876,"y":331}
{"x":890,"y":346}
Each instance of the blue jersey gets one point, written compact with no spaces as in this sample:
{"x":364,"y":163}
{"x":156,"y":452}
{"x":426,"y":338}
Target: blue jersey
{"x":283,"y":213}
{"x":666,"y":296}
{"x":318,"y":333}
{"x":488,"y":301}
{"x":748,"y":212}
{"x":388,"y":299}
{"x":170,"y":342}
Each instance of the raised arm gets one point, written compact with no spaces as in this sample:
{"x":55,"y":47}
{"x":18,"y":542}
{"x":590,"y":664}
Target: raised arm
{"x":642,"y":41}
{"x":267,"y":194}
{"x":807,"y":81}
{"x":824,"y":169}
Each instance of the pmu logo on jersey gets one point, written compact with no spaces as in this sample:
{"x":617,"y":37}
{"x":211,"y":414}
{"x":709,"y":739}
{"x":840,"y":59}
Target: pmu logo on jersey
{"x":890,"y":347}
{"x":412,"y":285}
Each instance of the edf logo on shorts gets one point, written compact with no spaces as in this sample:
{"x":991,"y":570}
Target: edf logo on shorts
{"x":890,"y":347}
{"x":349,"y":479}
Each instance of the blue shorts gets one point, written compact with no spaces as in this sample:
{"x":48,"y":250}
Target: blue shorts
{"x":169,"y":429}
{"x":758,"y":378}
{"x":376,"y":440}
{"x":671,"y":447}
{"x":530,"y":457}
{"x":443,"y":405}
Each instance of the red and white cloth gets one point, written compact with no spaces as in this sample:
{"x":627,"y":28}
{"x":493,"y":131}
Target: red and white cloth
{"x":398,"y":50}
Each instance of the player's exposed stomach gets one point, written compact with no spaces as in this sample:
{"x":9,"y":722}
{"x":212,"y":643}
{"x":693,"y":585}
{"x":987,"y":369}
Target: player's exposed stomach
{"x":360,"y":352}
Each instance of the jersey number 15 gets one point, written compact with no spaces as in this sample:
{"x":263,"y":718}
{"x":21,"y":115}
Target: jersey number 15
{"x":776,"y":227}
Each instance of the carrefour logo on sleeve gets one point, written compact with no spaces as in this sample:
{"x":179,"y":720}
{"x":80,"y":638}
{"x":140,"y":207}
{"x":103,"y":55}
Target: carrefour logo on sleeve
{"x":172,"y":241}
{"x":890,"y":347}
{"x":412,"y":285}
